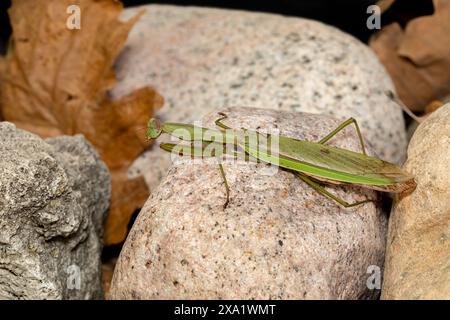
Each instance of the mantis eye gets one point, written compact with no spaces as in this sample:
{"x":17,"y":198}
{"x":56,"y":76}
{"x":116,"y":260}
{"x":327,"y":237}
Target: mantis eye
{"x":153,"y":129}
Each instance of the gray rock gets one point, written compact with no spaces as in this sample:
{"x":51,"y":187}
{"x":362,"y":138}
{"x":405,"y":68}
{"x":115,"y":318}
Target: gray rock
{"x":278,"y":238}
{"x":201,"y":59}
{"x":54,"y":197}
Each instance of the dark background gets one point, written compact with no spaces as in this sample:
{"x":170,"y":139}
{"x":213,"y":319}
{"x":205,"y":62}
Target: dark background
{"x":348,"y":15}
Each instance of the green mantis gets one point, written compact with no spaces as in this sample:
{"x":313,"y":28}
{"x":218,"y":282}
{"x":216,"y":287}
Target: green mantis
{"x":314,"y":163}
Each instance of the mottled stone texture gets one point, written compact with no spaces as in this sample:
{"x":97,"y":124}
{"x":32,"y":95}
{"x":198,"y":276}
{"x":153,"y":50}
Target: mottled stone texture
{"x":201,"y":59}
{"x":54,"y":194}
{"x":418,"y":251}
{"x":277,"y":239}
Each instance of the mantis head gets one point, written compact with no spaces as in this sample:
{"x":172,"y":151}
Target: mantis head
{"x":153,"y":129}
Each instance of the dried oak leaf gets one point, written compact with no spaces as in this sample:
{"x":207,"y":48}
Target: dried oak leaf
{"x":55,"y":82}
{"x":385,"y":4}
{"x":418,"y":57}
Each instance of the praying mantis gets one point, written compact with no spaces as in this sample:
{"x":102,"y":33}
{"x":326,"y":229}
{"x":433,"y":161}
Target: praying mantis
{"x":314,"y":163}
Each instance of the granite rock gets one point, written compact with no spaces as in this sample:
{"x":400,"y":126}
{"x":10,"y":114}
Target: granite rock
{"x":201,"y":59}
{"x":54,"y":197}
{"x":277,"y":239}
{"x":418,"y":250}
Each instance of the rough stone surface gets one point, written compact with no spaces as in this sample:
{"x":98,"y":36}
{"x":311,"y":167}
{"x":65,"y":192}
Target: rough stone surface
{"x":278,"y":238}
{"x":201,"y":59}
{"x":418,"y":251}
{"x":53,"y":198}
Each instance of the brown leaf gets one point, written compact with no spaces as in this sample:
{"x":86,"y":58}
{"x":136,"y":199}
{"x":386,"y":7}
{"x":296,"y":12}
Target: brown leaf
{"x":433,"y":106}
{"x":2,"y":72}
{"x":385,"y":4}
{"x":418,"y":58}
{"x":130,"y":195}
{"x":55,"y":81}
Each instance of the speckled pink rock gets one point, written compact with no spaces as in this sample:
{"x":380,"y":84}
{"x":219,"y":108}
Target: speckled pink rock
{"x":277,"y":239}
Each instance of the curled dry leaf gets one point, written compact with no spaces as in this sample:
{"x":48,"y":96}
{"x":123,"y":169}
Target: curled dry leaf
{"x":55,"y":82}
{"x":418,"y":57}
{"x":385,"y":4}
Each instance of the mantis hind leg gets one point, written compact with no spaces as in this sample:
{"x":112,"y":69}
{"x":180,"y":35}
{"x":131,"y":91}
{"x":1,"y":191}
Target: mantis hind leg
{"x":341,"y":127}
{"x":219,"y":122}
{"x":227,"y":187}
{"x":322,"y":190}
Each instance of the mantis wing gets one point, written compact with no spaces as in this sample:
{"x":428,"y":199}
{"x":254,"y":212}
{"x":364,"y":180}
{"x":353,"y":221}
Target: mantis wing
{"x":335,"y":165}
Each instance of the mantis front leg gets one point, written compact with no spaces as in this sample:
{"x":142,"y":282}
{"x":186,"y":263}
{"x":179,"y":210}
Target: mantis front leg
{"x":227,"y":187}
{"x":195,"y":151}
{"x":322,"y":190}
{"x":341,"y":127}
